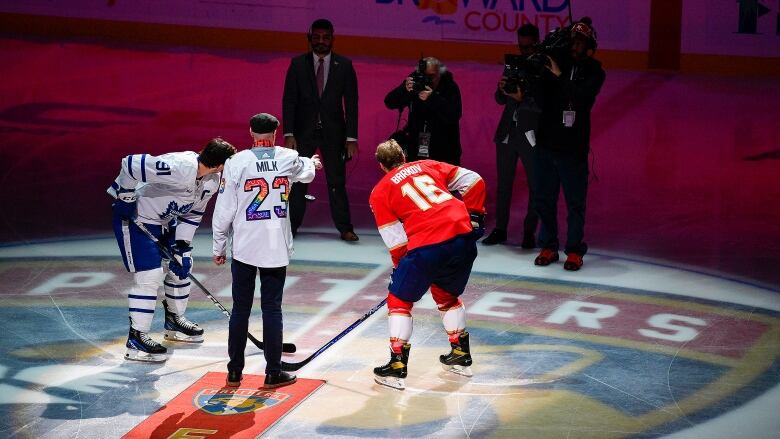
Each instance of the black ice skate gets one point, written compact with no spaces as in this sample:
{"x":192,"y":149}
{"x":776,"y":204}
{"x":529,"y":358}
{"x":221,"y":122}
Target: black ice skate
{"x":142,"y":348}
{"x":179,"y":328}
{"x":459,"y":359}
{"x":393,"y":373}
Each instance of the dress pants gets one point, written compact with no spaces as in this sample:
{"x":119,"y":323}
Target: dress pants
{"x":335,"y":174}
{"x":507,"y":155}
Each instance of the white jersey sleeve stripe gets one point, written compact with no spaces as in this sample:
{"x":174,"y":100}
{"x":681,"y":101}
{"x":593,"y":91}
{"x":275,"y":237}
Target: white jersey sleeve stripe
{"x":393,"y":235}
{"x":463,"y":181}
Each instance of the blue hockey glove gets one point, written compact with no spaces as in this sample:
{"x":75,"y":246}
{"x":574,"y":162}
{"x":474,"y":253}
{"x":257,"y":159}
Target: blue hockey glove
{"x":477,"y":224}
{"x":125,"y":203}
{"x":182,"y":260}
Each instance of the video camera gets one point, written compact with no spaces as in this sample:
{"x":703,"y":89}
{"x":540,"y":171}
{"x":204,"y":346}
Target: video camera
{"x":419,"y":79}
{"x":522,"y":72}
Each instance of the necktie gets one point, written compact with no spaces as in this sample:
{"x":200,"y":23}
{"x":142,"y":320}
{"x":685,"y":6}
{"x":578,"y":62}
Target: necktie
{"x":320,"y":76}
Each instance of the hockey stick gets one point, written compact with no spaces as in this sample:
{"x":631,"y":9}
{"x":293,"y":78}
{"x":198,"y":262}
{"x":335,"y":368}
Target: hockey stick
{"x":286,"y":347}
{"x":295,"y":366}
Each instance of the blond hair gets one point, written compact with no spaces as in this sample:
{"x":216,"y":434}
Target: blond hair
{"x":390,"y":154}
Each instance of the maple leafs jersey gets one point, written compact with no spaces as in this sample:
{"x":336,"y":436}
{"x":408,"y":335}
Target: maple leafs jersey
{"x":413,"y":206}
{"x":252,"y":205}
{"x":168,"y":188}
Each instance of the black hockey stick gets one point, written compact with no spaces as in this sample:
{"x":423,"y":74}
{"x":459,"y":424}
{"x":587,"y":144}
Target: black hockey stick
{"x":286,"y":347}
{"x":295,"y":366}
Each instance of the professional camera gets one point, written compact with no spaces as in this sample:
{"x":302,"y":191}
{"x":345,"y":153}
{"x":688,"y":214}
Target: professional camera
{"x":523,"y":72}
{"x":520,"y":72}
{"x":419,"y":79}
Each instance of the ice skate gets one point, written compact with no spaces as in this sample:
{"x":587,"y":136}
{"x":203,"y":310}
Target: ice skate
{"x":393,"y":373}
{"x":179,"y":328}
{"x":459,"y":359}
{"x":140,"y":347}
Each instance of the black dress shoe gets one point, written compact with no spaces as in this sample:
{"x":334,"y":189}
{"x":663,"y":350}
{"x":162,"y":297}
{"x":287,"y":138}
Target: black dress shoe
{"x":529,"y":241}
{"x":349,"y":236}
{"x":233,"y":378}
{"x":280,"y":379}
{"x":497,"y":236}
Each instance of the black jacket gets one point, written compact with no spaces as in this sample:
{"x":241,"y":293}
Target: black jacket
{"x":337,"y":107}
{"x":527,"y":115}
{"x":575,"y":91}
{"x":439,"y":114}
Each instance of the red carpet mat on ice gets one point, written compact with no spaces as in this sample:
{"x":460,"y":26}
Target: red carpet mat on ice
{"x":209,"y":409}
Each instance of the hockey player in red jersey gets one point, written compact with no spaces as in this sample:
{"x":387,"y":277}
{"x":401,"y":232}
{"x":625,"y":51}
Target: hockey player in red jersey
{"x":432,"y":237}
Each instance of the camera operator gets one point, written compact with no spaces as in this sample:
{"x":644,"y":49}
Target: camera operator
{"x":570,"y":87}
{"x":433,"y":98}
{"x":514,"y":136}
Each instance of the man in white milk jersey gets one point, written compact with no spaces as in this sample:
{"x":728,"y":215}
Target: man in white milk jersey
{"x":252,"y":207}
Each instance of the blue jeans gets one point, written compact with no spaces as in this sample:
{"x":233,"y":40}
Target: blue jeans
{"x":555,"y":170}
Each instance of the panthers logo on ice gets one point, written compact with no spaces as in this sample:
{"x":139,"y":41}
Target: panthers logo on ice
{"x":236,"y":401}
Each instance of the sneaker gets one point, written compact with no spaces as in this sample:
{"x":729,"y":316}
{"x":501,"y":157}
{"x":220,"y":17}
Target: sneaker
{"x":393,"y":373}
{"x":179,"y":328}
{"x":573,"y":262}
{"x":497,"y":236}
{"x":459,"y":359}
{"x":546,"y":257}
{"x":279,"y":379}
{"x":233,"y":378}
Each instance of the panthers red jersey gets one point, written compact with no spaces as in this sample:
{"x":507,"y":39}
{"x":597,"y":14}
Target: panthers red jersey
{"x":413,"y":205}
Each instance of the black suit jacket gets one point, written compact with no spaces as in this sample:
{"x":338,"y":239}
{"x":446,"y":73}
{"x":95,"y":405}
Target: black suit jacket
{"x":337,"y":108}
{"x":527,"y":118}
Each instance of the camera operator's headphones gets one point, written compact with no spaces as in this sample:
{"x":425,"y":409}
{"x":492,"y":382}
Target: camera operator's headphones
{"x":584,"y":28}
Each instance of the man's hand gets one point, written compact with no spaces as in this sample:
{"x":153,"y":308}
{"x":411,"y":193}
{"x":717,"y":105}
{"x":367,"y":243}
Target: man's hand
{"x":352,"y":148}
{"x":317,"y":163}
{"x":182,"y":263}
{"x":425,"y":94}
{"x":502,"y":83}
{"x":219,"y":260}
{"x":125,"y":203}
{"x":553,"y":67}
{"x":289,"y":142}
{"x":518,"y":95}
{"x":409,"y":83}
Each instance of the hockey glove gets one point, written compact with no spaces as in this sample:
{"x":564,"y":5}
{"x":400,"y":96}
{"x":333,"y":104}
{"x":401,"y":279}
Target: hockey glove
{"x":477,"y":224}
{"x":125,"y":203}
{"x":182,"y":260}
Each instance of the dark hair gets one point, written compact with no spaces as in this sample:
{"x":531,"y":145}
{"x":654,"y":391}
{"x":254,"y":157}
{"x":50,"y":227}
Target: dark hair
{"x":322,"y":24}
{"x":528,"y":30}
{"x":216,"y":153}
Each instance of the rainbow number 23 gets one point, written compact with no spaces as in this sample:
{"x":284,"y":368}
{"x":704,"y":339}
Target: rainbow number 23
{"x":253,"y":212}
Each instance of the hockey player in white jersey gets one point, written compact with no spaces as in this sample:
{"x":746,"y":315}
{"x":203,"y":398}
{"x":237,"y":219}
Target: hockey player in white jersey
{"x":168,"y":194}
{"x":252,"y":208}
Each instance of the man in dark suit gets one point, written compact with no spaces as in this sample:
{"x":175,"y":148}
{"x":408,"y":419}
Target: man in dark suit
{"x":515,"y":132}
{"x":320,"y":107}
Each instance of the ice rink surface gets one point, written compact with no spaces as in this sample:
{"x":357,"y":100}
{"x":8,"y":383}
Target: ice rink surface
{"x":626,"y":348}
